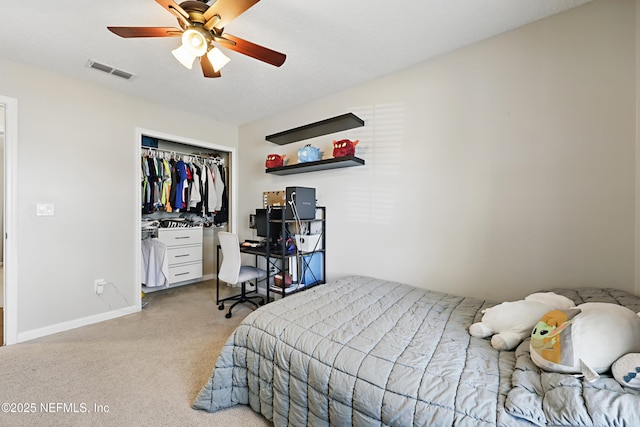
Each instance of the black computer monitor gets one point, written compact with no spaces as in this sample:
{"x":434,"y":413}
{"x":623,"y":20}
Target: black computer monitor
{"x":262,"y":225}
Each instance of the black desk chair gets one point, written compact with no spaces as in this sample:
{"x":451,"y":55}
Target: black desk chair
{"x":232,"y":271}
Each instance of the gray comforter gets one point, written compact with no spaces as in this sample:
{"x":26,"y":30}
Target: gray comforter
{"x":547,"y":398}
{"x":362,"y":351}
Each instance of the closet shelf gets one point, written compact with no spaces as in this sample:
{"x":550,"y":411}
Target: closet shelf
{"x":333,"y":163}
{"x":312,"y":130}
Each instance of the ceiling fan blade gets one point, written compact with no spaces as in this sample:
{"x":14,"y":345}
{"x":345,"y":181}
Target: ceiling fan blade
{"x":207,"y":67}
{"x":255,"y":51}
{"x":176,"y":10}
{"x":227,"y":10}
{"x":128,"y":32}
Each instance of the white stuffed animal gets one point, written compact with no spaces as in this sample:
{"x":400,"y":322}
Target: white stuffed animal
{"x":587,"y":339}
{"x":512,"y":321}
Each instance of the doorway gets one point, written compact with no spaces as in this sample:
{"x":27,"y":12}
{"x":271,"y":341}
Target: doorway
{"x":8,"y":148}
{"x":2,"y":120}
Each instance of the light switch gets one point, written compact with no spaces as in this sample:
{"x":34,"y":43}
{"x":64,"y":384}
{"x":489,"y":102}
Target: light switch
{"x":44,"y":209}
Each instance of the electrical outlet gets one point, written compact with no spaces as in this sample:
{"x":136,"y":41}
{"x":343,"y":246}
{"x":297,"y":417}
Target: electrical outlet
{"x":44,"y":209}
{"x":99,"y":286}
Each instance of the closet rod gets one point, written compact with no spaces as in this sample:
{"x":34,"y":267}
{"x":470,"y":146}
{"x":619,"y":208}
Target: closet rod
{"x":218,"y":160}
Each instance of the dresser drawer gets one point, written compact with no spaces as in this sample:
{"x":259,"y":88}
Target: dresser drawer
{"x":182,"y":272}
{"x":180,"y":236}
{"x":182,"y":254}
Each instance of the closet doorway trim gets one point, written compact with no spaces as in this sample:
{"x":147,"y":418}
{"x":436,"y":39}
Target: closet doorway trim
{"x":10,"y":262}
{"x":232,"y":191}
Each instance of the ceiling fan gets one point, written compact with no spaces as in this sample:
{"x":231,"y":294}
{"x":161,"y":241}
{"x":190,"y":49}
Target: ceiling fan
{"x":201,"y":29}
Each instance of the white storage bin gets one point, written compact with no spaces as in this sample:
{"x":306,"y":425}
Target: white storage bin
{"x":308,"y":242}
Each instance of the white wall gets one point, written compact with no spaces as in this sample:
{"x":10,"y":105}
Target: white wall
{"x":77,"y":150}
{"x":494,"y":171}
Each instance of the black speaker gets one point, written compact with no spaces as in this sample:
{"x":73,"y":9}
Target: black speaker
{"x":304,"y":199}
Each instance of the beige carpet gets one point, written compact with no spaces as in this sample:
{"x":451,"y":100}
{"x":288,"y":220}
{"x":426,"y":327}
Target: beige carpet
{"x":144,"y":369}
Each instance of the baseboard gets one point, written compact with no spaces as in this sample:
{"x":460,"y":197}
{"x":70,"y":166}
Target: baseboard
{"x":89,"y":320}
{"x":73,"y":324}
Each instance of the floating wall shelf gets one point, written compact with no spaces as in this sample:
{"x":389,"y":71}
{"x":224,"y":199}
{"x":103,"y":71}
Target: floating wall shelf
{"x":333,"y":163}
{"x":312,"y":130}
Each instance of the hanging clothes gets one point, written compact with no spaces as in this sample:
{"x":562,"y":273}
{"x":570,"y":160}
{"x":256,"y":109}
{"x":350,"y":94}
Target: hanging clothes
{"x":174,"y":183}
{"x":177,"y":183}
{"x":211,"y":195}
{"x":183,"y":182}
{"x":145,"y":184}
{"x":195,"y":190}
{"x":219,"y":187}
{"x":222,"y":215}
{"x":155,"y":263}
{"x":166,"y":185}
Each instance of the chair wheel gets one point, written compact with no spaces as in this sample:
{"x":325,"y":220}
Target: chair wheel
{"x":228,"y":315}
{"x":221,"y":306}
{"x":261,"y":302}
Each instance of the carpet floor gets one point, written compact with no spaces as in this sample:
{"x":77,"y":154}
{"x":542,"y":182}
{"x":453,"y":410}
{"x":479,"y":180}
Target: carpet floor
{"x":144,"y":369}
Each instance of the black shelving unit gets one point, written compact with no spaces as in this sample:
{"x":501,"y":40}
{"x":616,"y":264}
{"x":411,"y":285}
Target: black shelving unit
{"x":312,"y":130}
{"x":282,"y":257}
{"x":333,"y":163}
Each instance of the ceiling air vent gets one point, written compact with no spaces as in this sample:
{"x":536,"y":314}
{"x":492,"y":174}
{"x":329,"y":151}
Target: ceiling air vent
{"x":110,"y":70}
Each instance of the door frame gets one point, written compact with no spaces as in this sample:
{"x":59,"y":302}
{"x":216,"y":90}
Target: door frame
{"x":10,"y":262}
{"x":231,"y":186}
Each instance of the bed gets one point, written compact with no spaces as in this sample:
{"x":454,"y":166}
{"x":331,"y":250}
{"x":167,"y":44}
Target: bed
{"x":363,"y":351}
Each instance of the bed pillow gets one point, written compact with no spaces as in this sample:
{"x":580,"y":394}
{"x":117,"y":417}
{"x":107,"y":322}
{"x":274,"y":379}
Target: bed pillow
{"x":626,"y":370}
{"x":587,"y":339}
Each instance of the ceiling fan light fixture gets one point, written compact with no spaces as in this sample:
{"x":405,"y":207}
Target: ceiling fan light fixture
{"x":184,"y":56}
{"x":217,"y":58}
{"x":196,"y":40}
{"x":201,"y":24}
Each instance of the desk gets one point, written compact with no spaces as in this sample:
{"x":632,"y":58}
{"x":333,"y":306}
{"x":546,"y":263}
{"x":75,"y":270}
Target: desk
{"x":276,"y":259}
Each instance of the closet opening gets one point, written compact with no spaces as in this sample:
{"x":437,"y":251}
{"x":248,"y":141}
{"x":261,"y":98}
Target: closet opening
{"x":187,"y":195}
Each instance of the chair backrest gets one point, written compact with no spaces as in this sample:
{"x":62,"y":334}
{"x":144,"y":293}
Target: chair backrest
{"x":231,"y":261}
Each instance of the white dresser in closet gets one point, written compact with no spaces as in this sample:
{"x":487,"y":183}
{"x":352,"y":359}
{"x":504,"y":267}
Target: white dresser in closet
{"x":184,"y":252}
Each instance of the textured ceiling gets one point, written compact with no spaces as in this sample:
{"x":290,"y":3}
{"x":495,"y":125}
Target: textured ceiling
{"x":330,"y":45}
